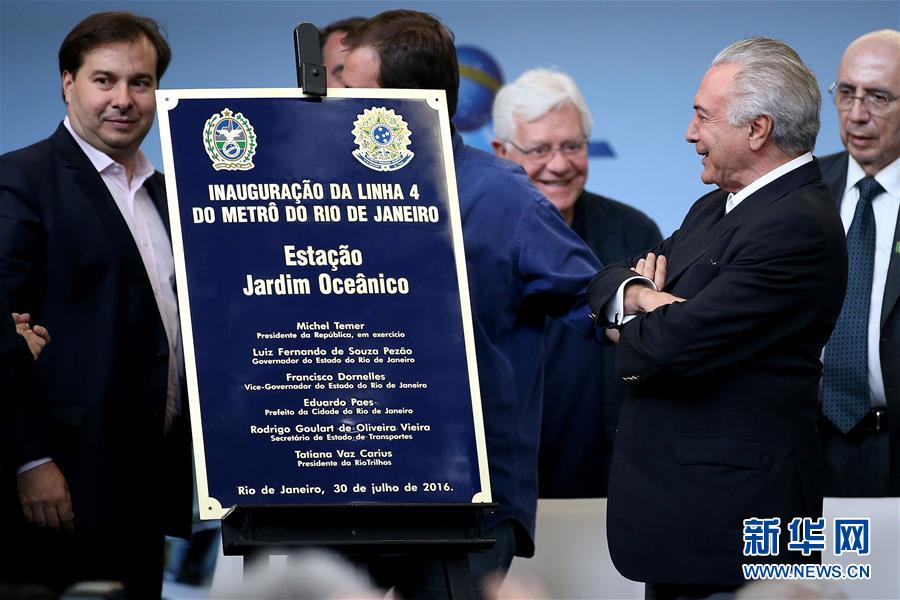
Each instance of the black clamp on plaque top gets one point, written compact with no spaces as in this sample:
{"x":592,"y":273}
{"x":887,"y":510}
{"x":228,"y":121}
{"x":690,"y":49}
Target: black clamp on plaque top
{"x":308,"y":54}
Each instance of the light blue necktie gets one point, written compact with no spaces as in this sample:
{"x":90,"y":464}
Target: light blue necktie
{"x":845,"y":381}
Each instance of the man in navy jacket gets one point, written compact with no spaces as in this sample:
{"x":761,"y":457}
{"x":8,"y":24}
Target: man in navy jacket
{"x":524,"y":264}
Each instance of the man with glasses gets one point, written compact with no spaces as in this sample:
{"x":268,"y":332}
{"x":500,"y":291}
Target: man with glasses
{"x":861,"y":380}
{"x":542,"y":122}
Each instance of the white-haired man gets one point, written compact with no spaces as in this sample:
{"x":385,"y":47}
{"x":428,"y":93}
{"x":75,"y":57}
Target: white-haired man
{"x":717,"y":449}
{"x":861,"y":381}
{"x":542,"y":122}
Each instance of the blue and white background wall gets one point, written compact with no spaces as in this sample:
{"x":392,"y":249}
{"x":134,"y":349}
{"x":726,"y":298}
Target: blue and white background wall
{"x":638,"y":64}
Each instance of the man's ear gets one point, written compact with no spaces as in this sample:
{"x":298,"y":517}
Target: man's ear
{"x":68,"y":80}
{"x":760,"y":131}
{"x":499,"y":147}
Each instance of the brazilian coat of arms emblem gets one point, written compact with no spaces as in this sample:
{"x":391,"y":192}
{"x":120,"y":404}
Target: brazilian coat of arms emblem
{"x":229,"y":141}
{"x":382,"y":137}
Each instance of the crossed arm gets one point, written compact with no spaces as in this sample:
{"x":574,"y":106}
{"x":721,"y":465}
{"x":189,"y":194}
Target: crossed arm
{"x":640,"y":298}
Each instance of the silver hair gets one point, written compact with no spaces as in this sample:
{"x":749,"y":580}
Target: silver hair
{"x":772,"y":80}
{"x":535,"y":93}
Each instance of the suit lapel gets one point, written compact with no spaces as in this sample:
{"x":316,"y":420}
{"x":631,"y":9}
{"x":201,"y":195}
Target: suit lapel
{"x":98,"y":197}
{"x":593,"y":225}
{"x":156,"y":190}
{"x":835,"y":176}
{"x":711,"y":225}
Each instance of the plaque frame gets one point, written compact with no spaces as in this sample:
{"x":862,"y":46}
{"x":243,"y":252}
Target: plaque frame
{"x":210,"y":507}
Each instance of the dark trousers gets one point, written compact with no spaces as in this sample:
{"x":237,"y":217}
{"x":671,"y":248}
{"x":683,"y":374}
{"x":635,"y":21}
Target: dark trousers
{"x":857,"y":464}
{"x":130,"y":553}
{"x":423,"y":579}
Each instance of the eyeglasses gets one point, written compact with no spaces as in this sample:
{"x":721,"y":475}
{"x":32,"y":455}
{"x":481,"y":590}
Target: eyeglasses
{"x":545,"y":152}
{"x":876,"y":101}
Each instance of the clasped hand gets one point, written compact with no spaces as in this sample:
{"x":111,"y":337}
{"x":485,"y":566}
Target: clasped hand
{"x":639,"y":297}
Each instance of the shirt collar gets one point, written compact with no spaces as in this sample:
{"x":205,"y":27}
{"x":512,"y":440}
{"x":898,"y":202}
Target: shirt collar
{"x":143,"y":168}
{"x":888,"y":177}
{"x":735,"y":199}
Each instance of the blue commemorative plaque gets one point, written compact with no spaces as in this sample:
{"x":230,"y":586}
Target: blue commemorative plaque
{"x":323,"y":298}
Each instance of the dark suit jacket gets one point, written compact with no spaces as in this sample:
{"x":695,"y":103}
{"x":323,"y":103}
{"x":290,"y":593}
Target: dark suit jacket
{"x":582,"y":396}
{"x":15,"y":372}
{"x":68,"y":258}
{"x":721,"y":421}
{"x":834,"y":172}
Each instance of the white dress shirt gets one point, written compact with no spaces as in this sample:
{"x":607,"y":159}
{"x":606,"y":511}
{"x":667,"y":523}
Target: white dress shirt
{"x":886,"y":207}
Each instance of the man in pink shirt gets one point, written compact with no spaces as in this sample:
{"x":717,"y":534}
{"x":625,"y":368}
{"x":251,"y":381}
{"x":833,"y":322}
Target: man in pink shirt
{"x":98,"y":465}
